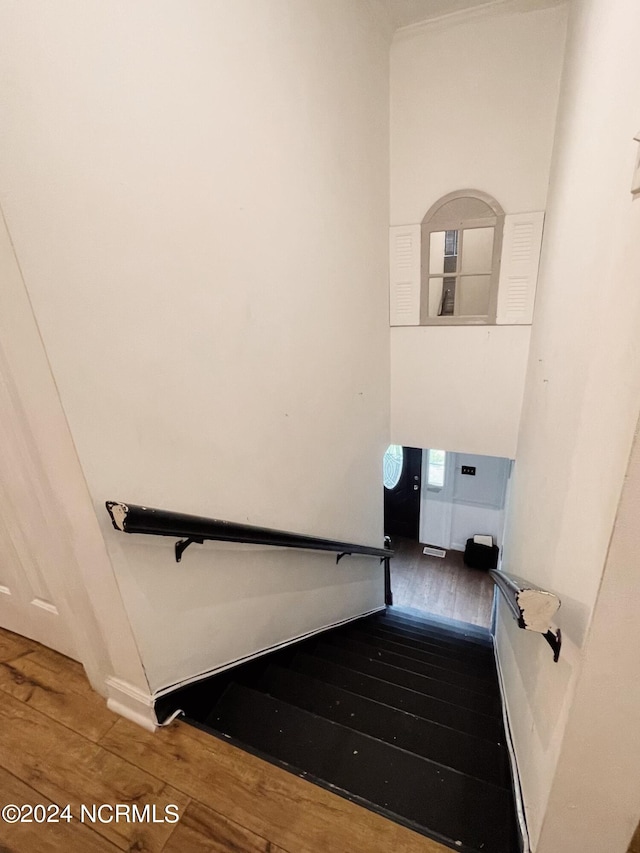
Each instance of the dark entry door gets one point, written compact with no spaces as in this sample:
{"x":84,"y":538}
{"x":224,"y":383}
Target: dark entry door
{"x":402,"y":492}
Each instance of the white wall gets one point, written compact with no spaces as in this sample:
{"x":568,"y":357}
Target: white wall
{"x":198,"y":196}
{"x":467,"y":504}
{"x":458,"y":387}
{"x":478,"y":501}
{"x":595,"y":800}
{"x":473,"y":104}
{"x":580,"y":409}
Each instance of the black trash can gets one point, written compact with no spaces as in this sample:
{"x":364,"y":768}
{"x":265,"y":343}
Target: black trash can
{"x":478,"y":556}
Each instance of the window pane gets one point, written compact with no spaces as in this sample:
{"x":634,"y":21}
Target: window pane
{"x":448,"y":302}
{"x":392,"y":466}
{"x":436,"y":252}
{"x":450,"y":243}
{"x":477,"y":250}
{"x":435,"y":296}
{"x":443,"y":252}
{"x":442,"y":295}
{"x":473,"y":295}
{"x":437,"y":465}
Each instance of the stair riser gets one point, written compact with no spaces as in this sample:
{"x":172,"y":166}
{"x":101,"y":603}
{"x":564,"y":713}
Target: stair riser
{"x":427,"y":707}
{"x":432,"y":620}
{"x":477,"y":702}
{"x":463,"y":680}
{"x":478,"y":669}
{"x":397,"y":712}
{"x":415,"y":790}
{"x":485,"y":662}
{"x":449,"y":747}
{"x":447,"y":637}
{"x":452,"y":648}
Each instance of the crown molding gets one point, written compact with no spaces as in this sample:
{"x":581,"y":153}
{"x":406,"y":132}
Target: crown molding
{"x":493,"y":7}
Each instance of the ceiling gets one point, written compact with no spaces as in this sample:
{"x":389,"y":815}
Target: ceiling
{"x":405,"y":12}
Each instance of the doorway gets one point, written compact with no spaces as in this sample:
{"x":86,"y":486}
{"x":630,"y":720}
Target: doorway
{"x":402,"y":480}
{"x":437,"y":500}
{"x":28,"y":605}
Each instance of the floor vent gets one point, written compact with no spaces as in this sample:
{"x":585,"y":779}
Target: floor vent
{"x":434,"y":552}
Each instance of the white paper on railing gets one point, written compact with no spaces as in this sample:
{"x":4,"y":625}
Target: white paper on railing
{"x":537,"y":607}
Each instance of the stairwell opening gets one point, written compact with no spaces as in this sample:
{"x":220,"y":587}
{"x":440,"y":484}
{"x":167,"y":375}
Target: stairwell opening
{"x":436,"y":503}
{"x":398,"y":710}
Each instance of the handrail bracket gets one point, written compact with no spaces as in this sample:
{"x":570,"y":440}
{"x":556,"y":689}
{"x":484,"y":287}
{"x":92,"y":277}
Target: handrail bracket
{"x":554,"y":638}
{"x":183,"y":544}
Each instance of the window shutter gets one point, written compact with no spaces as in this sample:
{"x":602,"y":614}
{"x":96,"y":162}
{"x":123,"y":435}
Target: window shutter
{"x":521,"y":243}
{"x":404,"y":277}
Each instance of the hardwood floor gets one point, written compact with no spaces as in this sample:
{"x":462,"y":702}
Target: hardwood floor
{"x":442,"y":586}
{"x":60,"y":744}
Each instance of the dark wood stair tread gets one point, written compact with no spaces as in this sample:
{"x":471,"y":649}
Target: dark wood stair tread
{"x":465,"y":644}
{"x":397,"y":657}
{"x":398,"y":711}
{"x":480,"y":657}
{"x":434,"y":621}
{"x":451,"y":693}
{"x":484,"y":669}
{"x":459,"y":809}
{"x":428,"y":707}
{"x":462,"y":752}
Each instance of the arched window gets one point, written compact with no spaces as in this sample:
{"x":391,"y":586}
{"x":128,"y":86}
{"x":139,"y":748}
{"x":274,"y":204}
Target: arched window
{"x":392,"y":463}
{"x":461,"y":243}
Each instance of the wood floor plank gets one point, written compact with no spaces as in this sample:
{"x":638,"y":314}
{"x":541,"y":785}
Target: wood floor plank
{"x":13,"y":645}
{"x":443,"y":586}
{"x":61,"y":665}
{"x":69,"y":699}
{"x":67,"y":768}
{"x":294,"y":813}
{"x":44,"y":838}
{"x":228,"y":800}
{"x":202,"y":830}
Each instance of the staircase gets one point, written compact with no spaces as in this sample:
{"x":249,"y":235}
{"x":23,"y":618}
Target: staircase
{"x":399,"y":712}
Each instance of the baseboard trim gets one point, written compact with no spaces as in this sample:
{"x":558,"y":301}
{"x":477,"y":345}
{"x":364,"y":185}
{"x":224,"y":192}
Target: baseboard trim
{"x":163,"y":691}
{"x":525,"y":844}
{"x":132,"y":703}
{"x":494,"y":614}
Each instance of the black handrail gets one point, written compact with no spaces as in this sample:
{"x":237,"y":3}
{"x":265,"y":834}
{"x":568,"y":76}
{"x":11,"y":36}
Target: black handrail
{"x":531,"y":607}
{"x":131,"y":518}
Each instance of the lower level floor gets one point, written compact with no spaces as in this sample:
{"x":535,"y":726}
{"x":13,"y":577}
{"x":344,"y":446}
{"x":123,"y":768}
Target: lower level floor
{"x":443,"y":586}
